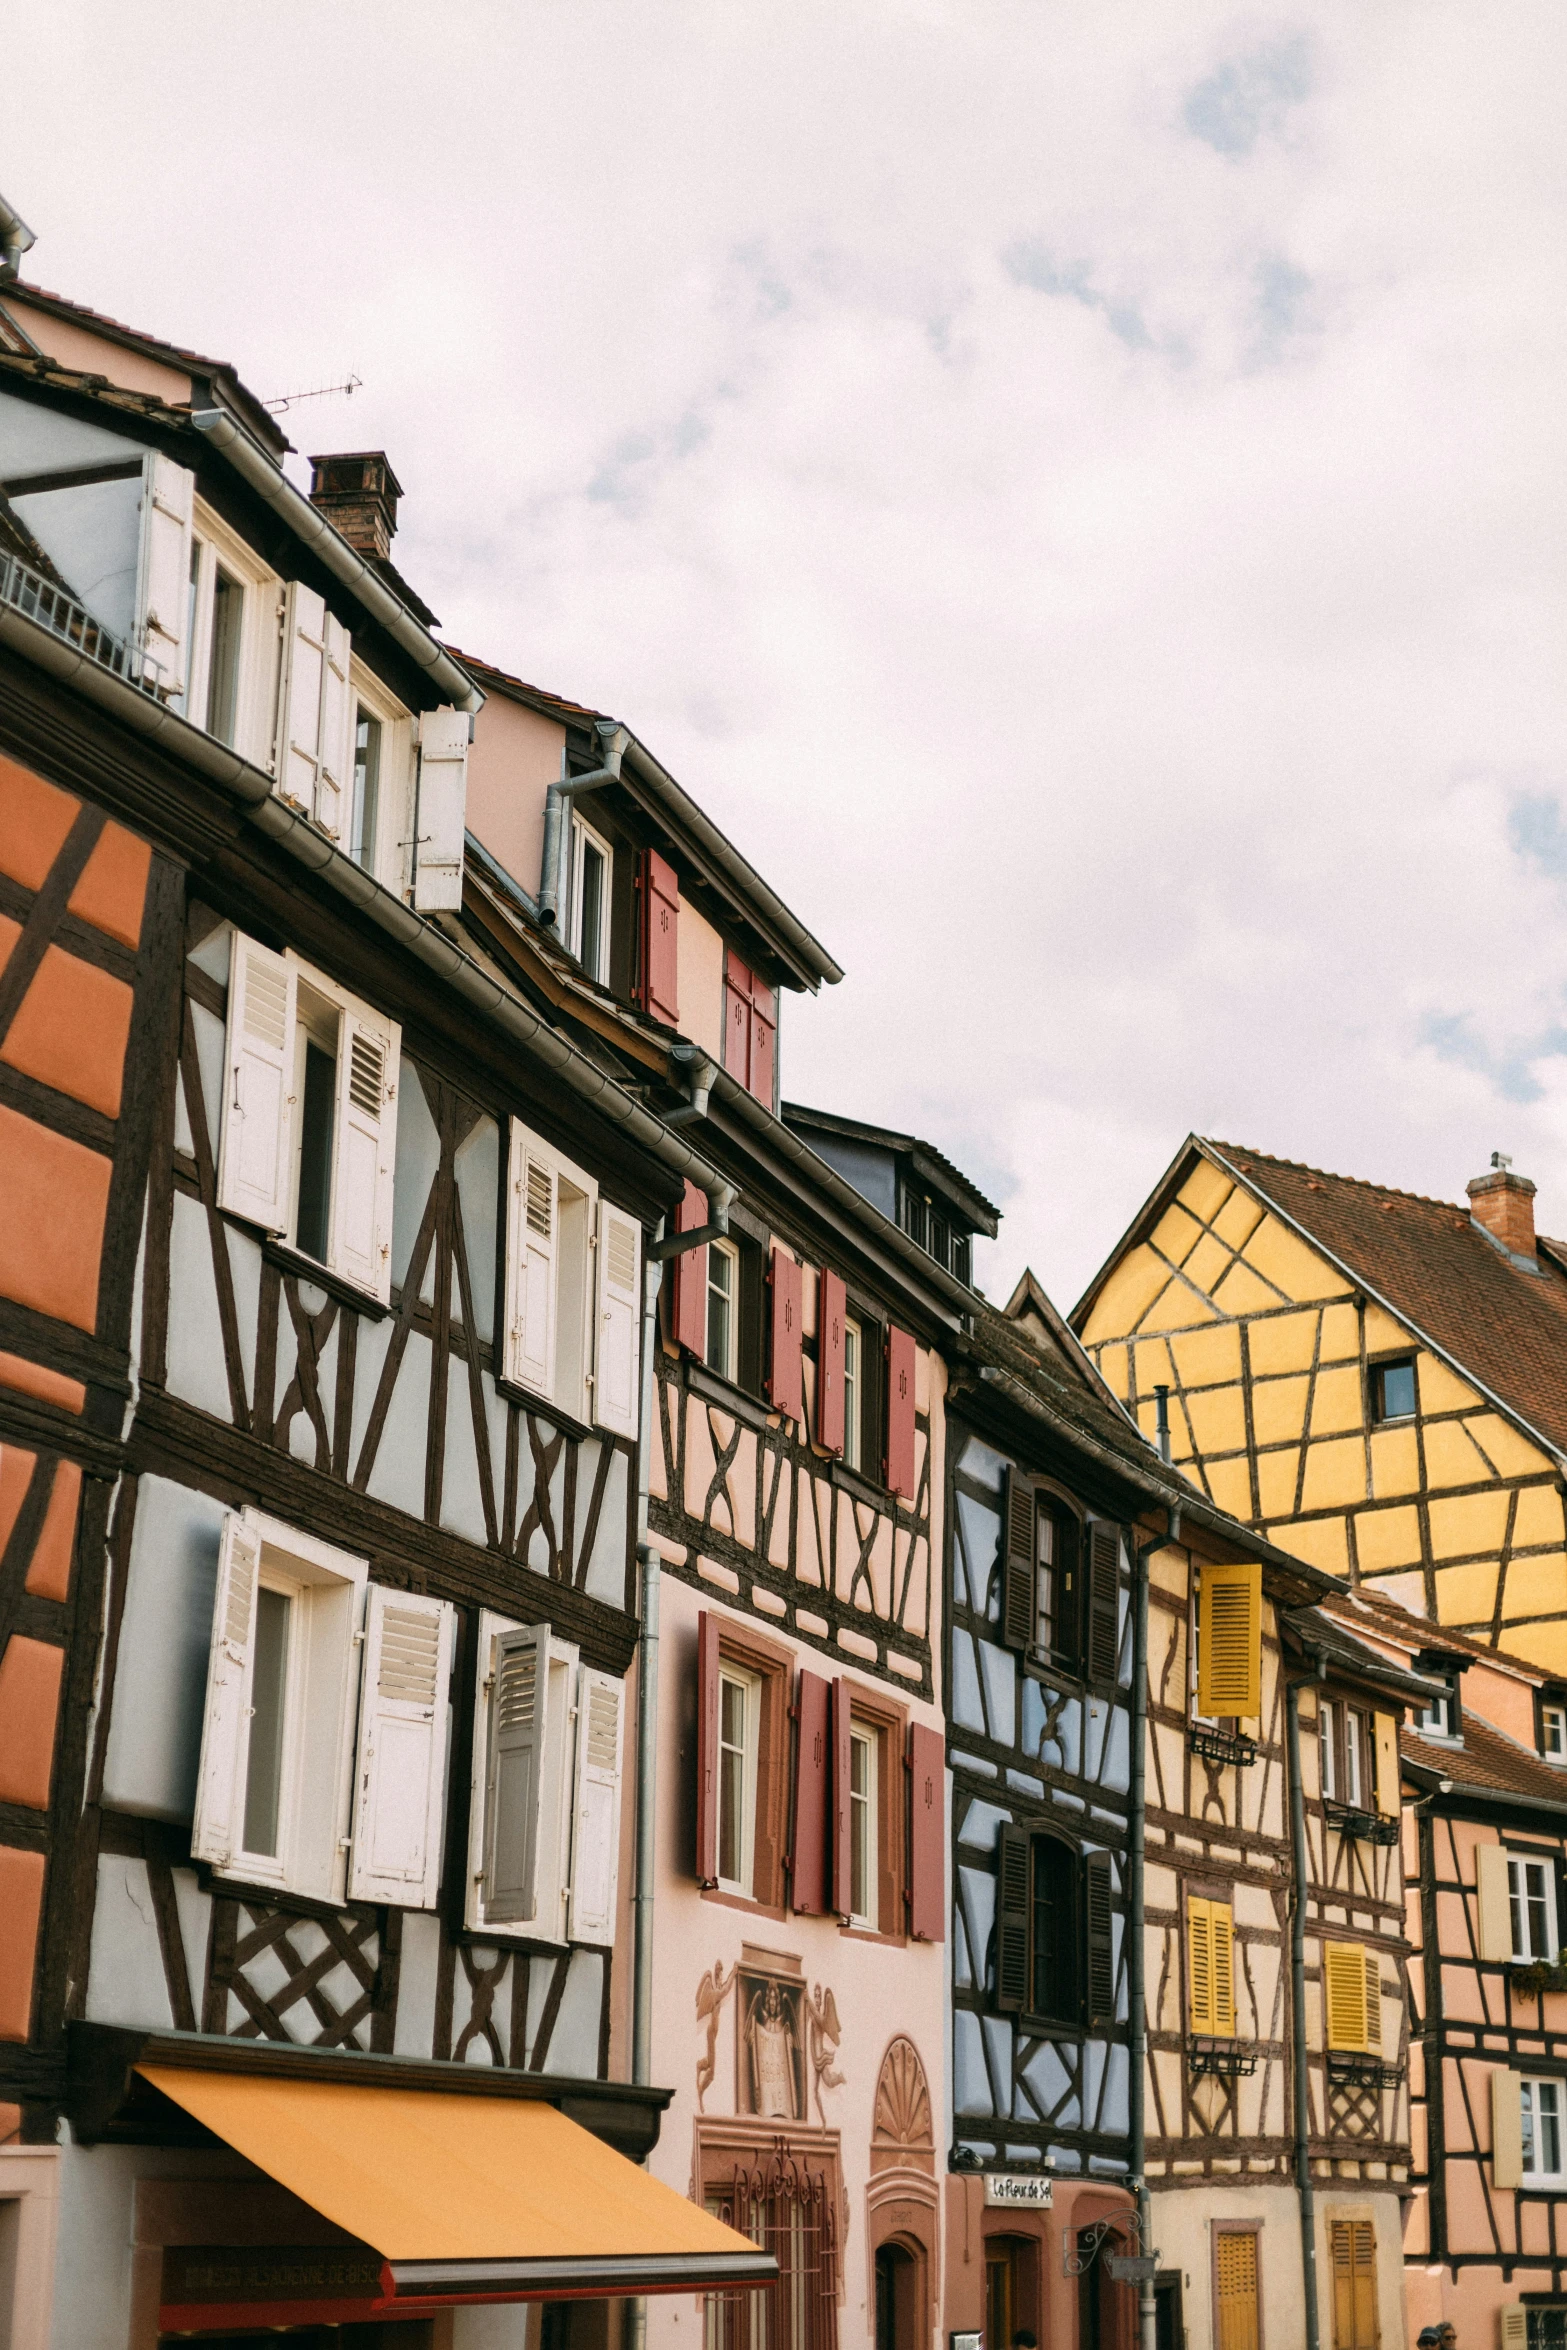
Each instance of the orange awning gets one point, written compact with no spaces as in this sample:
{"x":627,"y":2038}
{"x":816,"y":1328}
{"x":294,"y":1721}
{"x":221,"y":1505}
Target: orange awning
{"x":465,"y":2197}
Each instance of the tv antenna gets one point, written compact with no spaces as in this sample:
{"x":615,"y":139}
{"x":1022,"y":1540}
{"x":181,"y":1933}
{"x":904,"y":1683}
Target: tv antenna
{"x":320,"y":392}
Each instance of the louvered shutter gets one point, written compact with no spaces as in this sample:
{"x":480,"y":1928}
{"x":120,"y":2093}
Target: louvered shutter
{"x":1221,"y":1942}
{"x":1104,"y":1599}
{"x":900,"y":1413}
{"x":443,"y":810}
{"x":531,"y":1244}
{"x":1018,"y":1562}
{"x":1495,"y":1902}
{"x":335,"y":769}
{"x":1388,"y":1791}
{"x":1506,"y":2128}
{"x":1344,"y":1994}
{"x":364,"y":1156}
{"x":842,"y":1808}
{"x":831,"y":1306}
{"x":1199,"y":1965}
{"x":168,"y":506}
{"x":1229,"y":1657}
{"x":764,"y":1033}
{"x":927,"y":1889}
{"x":1515,"y":2322}
{"x":1235,"y":2290}
{"x":595,"y":1828}
{"x":617,"y":1381}
{"x":1373,"y":2001}
{"x":220,"y":1785}
{"x":400,"y":1773}
{"x":1100,"y":1937}
{"x":660,"y":990}
{"x":688,"y":1305}
{"x":785,"y":1363}
{"x":1012,"y":1893}
{"x":808,"y":1860}
{"x":737,"y":1018}
{"x":707,"y":1653}
{"x":255,"y":1150}
{"x":519,"y":1670}
{"x":303,"y":689}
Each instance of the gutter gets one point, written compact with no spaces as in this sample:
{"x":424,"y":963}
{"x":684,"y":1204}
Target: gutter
{"x":273,"y":486}
{"x":1303,"y":2186}
{"x":1497,"y":1798}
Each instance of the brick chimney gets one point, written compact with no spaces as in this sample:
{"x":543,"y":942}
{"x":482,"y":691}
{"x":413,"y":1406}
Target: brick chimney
{"x":358,"y":494}
{"x":1503,"y":1204}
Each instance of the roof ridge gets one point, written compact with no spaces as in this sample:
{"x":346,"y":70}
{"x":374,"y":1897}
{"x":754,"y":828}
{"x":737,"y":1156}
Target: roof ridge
{"x":1423,"y":1199}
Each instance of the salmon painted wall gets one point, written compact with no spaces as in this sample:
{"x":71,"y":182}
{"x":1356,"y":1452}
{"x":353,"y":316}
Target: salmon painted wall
{"x":74,"y":344}
{"x":514,"y":758}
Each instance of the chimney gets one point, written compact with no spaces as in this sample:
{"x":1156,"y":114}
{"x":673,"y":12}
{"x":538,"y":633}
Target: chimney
{"x":358,"y":494}
{"x":1502,"y":1204}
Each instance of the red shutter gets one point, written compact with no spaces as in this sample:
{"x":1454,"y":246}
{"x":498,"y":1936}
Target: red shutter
{"x":808,"y":1862}
{"x":842,"y":1763}
{"x":831,"y":1302}
{"x":927,"y":1894}
{"x":660,"y":934}
{"x":690,"y":1284}
{"x":785,"y":1370}
{"x":764,"y":1027}
{"x":900,"y":1413}
{"x":737,"y":1018}
{"x":707,"y":1748}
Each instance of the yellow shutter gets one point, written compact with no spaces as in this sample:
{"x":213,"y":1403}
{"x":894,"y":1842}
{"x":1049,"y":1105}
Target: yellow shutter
{"x":1235,"y":2293}
{"x":1344,"y":1994}
{"x":1373,"y":2001}
{"x":1199,"y":1946}
{"x":1229,"y":1641}
{"x":1388,"y":1794}
{"x":1221,"y":1929}
{"x":1353,"y":2253}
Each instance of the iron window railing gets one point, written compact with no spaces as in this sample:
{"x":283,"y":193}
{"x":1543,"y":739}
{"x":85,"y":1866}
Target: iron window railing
{"x":54,"y":608}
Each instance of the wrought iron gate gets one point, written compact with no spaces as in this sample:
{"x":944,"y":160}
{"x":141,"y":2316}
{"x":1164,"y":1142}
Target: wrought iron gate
{"x":787,"y":2209}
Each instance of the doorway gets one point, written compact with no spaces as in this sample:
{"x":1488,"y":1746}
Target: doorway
{"x":899,"y":2319}
{"x":1168,"y":2333}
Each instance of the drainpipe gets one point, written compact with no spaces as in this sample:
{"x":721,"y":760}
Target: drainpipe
{"x":1136,"y":1984}
{"x":1161,"y":1402}
{"x":614,"y":738}
{"x":1304,"y":2188}
{"x":690,"y":1065}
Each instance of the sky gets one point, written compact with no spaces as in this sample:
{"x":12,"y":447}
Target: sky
{"x":1075,"y":491}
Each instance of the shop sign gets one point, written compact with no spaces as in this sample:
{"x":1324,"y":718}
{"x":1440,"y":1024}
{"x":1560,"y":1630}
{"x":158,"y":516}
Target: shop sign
{"x":1018,"y":2190}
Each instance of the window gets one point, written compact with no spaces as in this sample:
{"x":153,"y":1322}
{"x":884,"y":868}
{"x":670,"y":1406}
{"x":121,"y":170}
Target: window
{"x":739,"y":1717}
{"x":1356,"y":1773}
{"x":1061,"y":1582}
{"x":592,"y":869}
{"x":1393,"y":1390}
{"x":742,"y":1759}
{"x":864,"y":1888}
{"x":1325,"y":1748}
{"x":309,"y":1135}
{"x":544,"y":1822}
{"x":853,"y":1393}
{"x":1352,"y":2260}
{"x":1352,"y":1996}
{"x":1054,"y":1929}
{"x":1542,"y":2105}
{"x":1210,"y":1968}
{"x":721,"y":1350}
{"x":364,"y":829}
{"x":380,"y":827}
{"x":787,"y":2197}
{"x":1531,"y":1894}
{"x":1439,"y":1716}
{"x":223,"y":654}
{"x":573,"y":1289}
{"x":291,"y":1793}
{"x":1553,"y":1728}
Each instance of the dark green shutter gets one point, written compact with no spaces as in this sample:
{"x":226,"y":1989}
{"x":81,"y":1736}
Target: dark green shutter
{"x":1012,"y":1919}
{"x":1101,"y":1944}
{"x":1017,"y":1563}
{"x":1104,"y":1589}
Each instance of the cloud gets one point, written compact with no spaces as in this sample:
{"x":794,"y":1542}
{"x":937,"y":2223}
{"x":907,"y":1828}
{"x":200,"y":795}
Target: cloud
{"x":1249,"y":98}
{"x":1029,"y":264}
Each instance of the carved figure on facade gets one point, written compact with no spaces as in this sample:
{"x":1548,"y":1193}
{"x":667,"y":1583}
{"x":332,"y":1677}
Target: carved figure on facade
{"x":825,"y":2034}
{"x":711,"y":1993}
{"x":772,"y":2042}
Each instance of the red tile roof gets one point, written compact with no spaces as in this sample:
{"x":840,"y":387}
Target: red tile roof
{"x":1488,"y":1758}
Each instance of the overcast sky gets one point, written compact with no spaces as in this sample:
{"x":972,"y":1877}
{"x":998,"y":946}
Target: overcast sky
{"x":1075,"y":491}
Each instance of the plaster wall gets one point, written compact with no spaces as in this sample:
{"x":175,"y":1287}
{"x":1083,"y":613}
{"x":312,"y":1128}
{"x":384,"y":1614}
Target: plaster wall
{"x":1183,"y":2228}
{"x":699,"y":977}
{"x":514,"y":758}
{"x":76,"y":346}
{"x":1050,"y":2299}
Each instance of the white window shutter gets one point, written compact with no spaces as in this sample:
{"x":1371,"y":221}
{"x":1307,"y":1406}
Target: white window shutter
{"x":364,"y":1152}
{"x":514,"y":1771}
{"x":220,"y":1784}
{"x":1495,"y":1903}
{"x":1515,"y":2326}
{"x":532,"y":1237}
{"x":339,"y":709}
{"x":1506,"y":2128}
{"x":400,"y":1773}
{"x":303,"y":688}
{"x":617,"y":1383}
{"x":443,"y":810}
{"x":255,"y":1159}
{"x":595,"y":1827}
{"x":168,"y":506}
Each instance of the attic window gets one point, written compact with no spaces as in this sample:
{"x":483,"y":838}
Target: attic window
{"x":1393,"y":1390}
{"x":1553,"y":1725}
{"x":1438,"y":1717}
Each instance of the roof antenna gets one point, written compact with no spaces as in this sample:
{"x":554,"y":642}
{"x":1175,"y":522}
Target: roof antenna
{"x":322,"y":392}
{"x":1500,"y":1161}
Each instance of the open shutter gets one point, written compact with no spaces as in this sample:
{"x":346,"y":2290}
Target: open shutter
{"x":303,"y":688}
{"x":617,"y":1383}
{"x":808,"y":1861}
{"x":255,"y":1151}
{"x":400,"y":1775}
{"x":785,"y":1363}
{"x":832,"y":1300}
{"x":168,"y":505}
{"x":1221,"y":1941}
{"x":842,"y":1808}
{"x":1495,"y":1902}
{"x":660,"y":991}
{"x":1018,"y":1562}
{"x":443,"y":810}
{"x":707,"y":1748}
{"x":1199,"y":1965}
{"x":1515,"y":2316}
{"x":688,"y":1302}
{"x":927,"y":1893}
{"x":764,"y":1033}
{"x":514,"y":1772}
{"x":1506,"y":2128}
{"x":1012,"y":1984}
{"x":1388,"y":1792}
{"x":595,"y":1829}
{"x":737,"y":1018}
{"x":335,"y":768}
{"x":220,"y":1785}
{"x":1229,"y":1656}
{"x":364,"y":1157}
{"x":1344,"y":1994}
{"x":1373,"y":2000}
{"x":900,"y":1413}
{"x":1100,"y":1939}
{"x":1104,"y":1599}
{"x":534,"y":1209}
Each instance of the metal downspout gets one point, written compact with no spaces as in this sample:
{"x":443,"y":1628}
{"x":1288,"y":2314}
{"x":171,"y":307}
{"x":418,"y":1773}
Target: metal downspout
{"x":648,"y":1571}
{"x":1136,"y":1955}
{"x":615,"y":738}
{"x":1304,"y":2188}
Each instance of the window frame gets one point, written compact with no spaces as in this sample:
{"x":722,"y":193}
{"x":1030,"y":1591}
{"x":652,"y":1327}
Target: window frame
{"x":1327,"y":1749}
{"x":853,"y":1394}
{"x":1377,"y":1368}
{"x":865,"y":1738}
{"x":1073,"y":2016}
{"x":1531,"y":2177}
{"x":727,"y":1252}
{"x":215,"y":546}
{"x":583,"y":837}
{"x":1551,"y":1702}
{"x":774,"y":1666}
{"x":1519,"y":1903}
{"x":568,"y":1275}
{"x":749,"y":1683}
{"x":392,"y":862}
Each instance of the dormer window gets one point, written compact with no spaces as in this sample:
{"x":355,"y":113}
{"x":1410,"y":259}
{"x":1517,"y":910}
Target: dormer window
{"x":1438,"y":1717}
{"x":587,"y":934}
{"x":1553,"y":1725}
{"x":1393,"y":1390}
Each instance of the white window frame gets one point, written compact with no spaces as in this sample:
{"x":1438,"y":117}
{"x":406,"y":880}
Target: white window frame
{"x":391,"y":860}
{"x":1553,"y":1718}
{"x":863,"y":1817}
{"x":583,"y":837}
{"x":723,"y":1252}
{"x":1434,"y":1719}
{"x":853,"y":1390}
{"x":1327,"y":1759}
{"x":751,"y":1685}
{"x":1530,"y":2118}
{"x":1519,"y":1865}
{"x":1354,"y":1758}
{"x":1044,"y":1576}
{"x":255,"y":715}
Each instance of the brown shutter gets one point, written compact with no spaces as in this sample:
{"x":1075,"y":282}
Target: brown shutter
{"x":737,"y":1018}
{"x":1104,"y":1587}
{"x":764,"y":1030}
{"x":927,"y":1893}
{"x":831,"y":1304}
{"x":707,"y":1748}
{"x":1018,"y":1562}
{"x":842,"y":1809}
{"x":689,"y":1305}
{"x":1101,"y":1938}
{"x":808,"y":1860}
{"x":900,"y":1413}
{"x":1012,"y":1919}
{"x":660,"y":993}
{"x":785,"y":1365}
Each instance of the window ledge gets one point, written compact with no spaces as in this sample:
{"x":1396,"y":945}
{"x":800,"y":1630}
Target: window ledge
{"x":543,"y":1408}
{"x":1360,"y":2069}
{"x":862,"y":1487}
{"x":1352,"y":1819}
{"x":725,"y":1396}
{"x":298,"y":1267}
